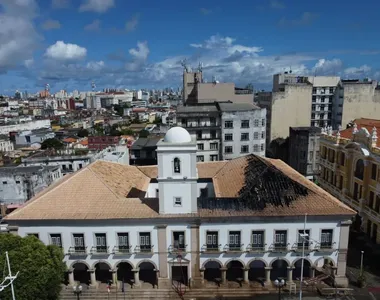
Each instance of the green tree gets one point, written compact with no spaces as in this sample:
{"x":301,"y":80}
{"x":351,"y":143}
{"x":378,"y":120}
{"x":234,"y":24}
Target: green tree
{"x":144,"y":133}
{"x":127,"y":131}
{"x":41,"y":268}
{"x":82,"y":133}
{"x":52,"y":144}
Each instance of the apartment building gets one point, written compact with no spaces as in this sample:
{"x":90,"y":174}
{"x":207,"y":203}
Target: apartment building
{"x":317,"y":101}
{"x":304,"y":150}
{"x":350,"y":170}
{"x":218,"y":225}
{"x":242,"y":129}
{"x":224,"y":130}
{"x":197,"y":91}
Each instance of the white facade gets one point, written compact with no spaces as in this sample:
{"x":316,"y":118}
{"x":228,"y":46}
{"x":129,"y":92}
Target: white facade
{"x":6,"y":146}
{"x":31,"y":125}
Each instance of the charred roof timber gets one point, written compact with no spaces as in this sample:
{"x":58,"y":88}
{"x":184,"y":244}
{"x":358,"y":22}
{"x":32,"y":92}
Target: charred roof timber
{"x":264,"y":186}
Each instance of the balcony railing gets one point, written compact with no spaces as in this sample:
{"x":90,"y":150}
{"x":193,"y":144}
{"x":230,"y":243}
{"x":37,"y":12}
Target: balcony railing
{"x":201,"y":125}
{"x":297,"y":247}
{"x":325,"y":246}
{"x":233,"y":248}
{"x":177,"y":248}
{"x":144,"y":249}
{"x":211,"y":248}
{"x":121,"y":249}
{"x":255,"y":248}
{"x":279,"y":247}
{"x":77,"y":250}
{"x":99,"y":250}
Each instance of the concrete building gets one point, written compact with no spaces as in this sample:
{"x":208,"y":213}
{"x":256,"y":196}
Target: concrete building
{"x":102,"y":142}
{"x":19,"y":184}
{"x":350,"y":171}
{"x":5,"y":144}
{"x":18,"y":125}
{"x":196,"y":90}
{"x":71,"y":162}
{"x":361,"y":99}
{"x":242,"y":129}
{"x":304,"y":150}
{"x":223,"y":130}
{"x":190,"y":223}
{"x":143,"y":151}
{"x":203,"y":122}
{"x":30,"y":137}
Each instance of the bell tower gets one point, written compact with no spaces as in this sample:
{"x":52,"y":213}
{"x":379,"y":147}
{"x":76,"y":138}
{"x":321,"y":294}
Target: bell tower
{"x":177,"y":172}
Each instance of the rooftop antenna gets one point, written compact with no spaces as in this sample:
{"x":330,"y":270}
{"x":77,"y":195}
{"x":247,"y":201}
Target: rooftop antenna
{"x":200,"y":67}
{"x":184,"y":65}
{"x":8,"y":280}
{"x":290,"y":70}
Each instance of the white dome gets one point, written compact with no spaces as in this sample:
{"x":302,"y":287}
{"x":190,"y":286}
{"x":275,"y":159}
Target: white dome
{"x":177,"y":135}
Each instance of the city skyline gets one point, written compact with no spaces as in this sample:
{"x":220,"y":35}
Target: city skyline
{"x":68,"y":44}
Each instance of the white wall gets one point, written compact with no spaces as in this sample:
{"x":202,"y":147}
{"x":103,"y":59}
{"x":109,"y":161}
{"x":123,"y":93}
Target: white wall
{"x":269,"y":229}
{"x":38,"y":124}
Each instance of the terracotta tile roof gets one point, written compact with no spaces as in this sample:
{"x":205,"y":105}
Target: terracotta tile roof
{"x":106,"y":190}
{"x":69,"y":140}
{"x":362,"y":123}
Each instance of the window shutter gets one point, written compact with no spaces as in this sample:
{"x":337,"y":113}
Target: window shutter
{"x":209,"y":239}
{"x":142,"y":240}
{"x":215,"y":239}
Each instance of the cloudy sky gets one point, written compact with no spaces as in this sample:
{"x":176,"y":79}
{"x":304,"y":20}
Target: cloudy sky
{"x":141,"y":43}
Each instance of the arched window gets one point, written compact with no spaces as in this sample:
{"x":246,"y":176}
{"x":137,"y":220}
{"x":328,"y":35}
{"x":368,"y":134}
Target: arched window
{"x":359,"y":169}
{"x":177,"y":165}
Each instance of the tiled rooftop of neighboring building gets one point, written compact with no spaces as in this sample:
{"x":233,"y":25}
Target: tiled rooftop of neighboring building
{"x":244,"y":187}
{"x":369,"y":124}
{"x":142,"y":143}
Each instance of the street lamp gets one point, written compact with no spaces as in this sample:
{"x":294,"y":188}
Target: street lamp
{"x":77,"y":290}
{"x":280,"y":284}
{"x":361,"y":263}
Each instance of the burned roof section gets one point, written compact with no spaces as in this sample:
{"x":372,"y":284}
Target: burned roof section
{"x":264,"y":185}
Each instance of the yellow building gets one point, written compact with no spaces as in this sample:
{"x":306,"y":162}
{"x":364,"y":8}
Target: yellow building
{"x":350,"y":170}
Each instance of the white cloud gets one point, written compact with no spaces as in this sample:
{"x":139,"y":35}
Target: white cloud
{"x":141,"y":52}
{"x":58,"y":4}
{"x":51,"y":24}
{"x":360,"y":71}
{"x":29,"y":63}
{"x":131,"y":24}
{"x":65,"y":52}
{"x":277,"y":4}
{"x":327,"y":67}
{"x":95,"y":65}
{"x":94,"y":26}
{"x":98,"y":6}
{"x":18,"y":36}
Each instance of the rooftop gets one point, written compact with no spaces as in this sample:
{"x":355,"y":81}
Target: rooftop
{"x":21,"y":170}
{"x":230,"y":106}
{"x":248,"y":186}
{"x":362,"y":123}
{"x":197,"y":108}
{"x":308,"y":129}
{"x":141,"y":143}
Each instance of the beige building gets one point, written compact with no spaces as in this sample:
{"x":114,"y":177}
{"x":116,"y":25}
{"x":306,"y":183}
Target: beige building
{"x":350,"y":171}
{"x":196,"y":90}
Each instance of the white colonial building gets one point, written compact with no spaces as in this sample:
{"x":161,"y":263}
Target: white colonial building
{"x":195,"y":223}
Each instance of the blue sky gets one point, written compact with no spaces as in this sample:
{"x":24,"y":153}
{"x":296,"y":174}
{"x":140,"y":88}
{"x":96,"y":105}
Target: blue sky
{"x":135,"y":44}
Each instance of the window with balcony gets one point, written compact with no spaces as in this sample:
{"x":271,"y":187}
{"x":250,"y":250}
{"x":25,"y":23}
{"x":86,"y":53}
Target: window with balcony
{"x":263,"y":122}
{"x":145,"y":243}
{"x":244,"y":149}
{"x":101,"y":242}
{"x":228,"y":149}
{"x":374,"y":171}
{"x":56,"y":239}
{"x":255,"y":148}
{"x":213,"y":134}
{"x":244,"y":136}
{"x":228,"y":124}
{"x":314,"y":90}
{"x":212,"y":121}
{"x":331,"y":90}
{"x":234,"y":241}
{"x":257,"y":240}
{"x":179,"y":240}
{"x":377,"y":204}
{"x":280,"y":240}
{"x":199,"y":134}
{"x":245,"y":124}
{"x":123,"y":242}
{"x":359,"y":169}
{"x":303,"y":236}
{"x":212,"y":241}
{"x":201,"y":146}
{"x":326,"y":238}
{"x":256,"y":123}
{"x":79,"y":245}
{"x":213,"y":146}
{"x":314,"y":98}
{"x":371,"y":199}
{"x":355,"y":194}
{"x":228,"y":137}
{"x":255,"y":135}
{"x":331,"y":155}
{"x":263,"y":134}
